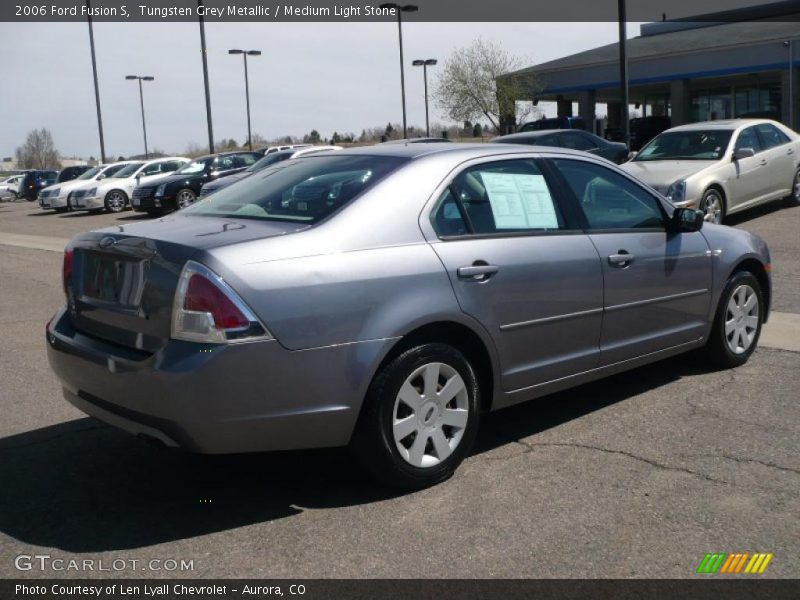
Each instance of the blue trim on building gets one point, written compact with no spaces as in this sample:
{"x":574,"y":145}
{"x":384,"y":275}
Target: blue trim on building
{"x":663,"y":79}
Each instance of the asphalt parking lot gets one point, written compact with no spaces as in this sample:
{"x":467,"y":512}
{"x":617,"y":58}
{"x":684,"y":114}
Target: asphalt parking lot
{"x":638,"y":475}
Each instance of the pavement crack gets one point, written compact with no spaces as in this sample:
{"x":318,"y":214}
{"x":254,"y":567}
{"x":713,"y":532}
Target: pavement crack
{"x":530,"y":446}
{"x":764,"y":463}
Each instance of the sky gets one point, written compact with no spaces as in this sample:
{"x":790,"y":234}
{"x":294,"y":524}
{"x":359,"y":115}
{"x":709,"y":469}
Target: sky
{"x":326,"y":76}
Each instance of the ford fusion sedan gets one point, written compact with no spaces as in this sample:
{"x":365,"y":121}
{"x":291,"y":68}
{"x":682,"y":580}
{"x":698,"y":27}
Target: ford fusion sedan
{"x":270,"y":159}
{"x":183,"y":187}
{"x":57,"y":196}
{"x":114,"y":191}
{"x":722,"y":167}
{"x":386,"y":297}
{"x":575,"y":139}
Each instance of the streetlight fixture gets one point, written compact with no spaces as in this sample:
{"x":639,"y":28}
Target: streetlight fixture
{"x":400,"y":9}
{"x":429,"y":62}
{"x":245,"y":54}
{"x":142,"y":78}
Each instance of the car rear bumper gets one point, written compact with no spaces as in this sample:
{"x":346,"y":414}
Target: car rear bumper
{"x":216,"y":399}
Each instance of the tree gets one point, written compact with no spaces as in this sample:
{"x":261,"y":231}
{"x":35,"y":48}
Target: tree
{"x":475,"y":83}
{"x":38,"y":151}
{"x":312,"y":137}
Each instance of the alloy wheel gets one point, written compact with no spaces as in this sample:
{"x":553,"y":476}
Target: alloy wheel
{"x":712,"y":207}
{"x":741,"y":319}
{"x":430,"y":414}
{"x":115,"y":201}
{"x":185,"y":198}
{"x":796,"y":187}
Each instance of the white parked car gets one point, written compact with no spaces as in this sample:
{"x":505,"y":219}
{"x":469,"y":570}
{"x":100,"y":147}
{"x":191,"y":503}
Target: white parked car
{"x":56,"y":196}
{"x":722,"y":167}
{"x":113,"y":193}
{"x":9,"y":187}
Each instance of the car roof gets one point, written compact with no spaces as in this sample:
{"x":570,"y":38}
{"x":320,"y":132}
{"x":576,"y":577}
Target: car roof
{"x":218,"y":154}
{"x":725,"y":124}
{"x":526,"y":135}
{"x":467,"y":151}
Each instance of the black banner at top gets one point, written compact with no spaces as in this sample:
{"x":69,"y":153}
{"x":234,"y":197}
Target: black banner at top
{"x":426,"y":10}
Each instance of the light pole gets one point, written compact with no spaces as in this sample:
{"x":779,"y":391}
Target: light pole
{"x":204,"y":54}
{"x":788,"y":44}
{"x":247,"y":53}
{"x":623,"y":70}
{"x":428,"y":62}
{"x":400,"y":9}
{"x":142,"y":78}
{"x":96,"y":86}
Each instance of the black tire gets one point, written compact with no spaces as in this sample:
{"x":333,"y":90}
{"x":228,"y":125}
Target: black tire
{"x":115,"y":201}
{"x":62,"y":209}
{"x":793,"y":199}
{"x":373,"y":442}
{"x":717,"y":348}
{"x":184,"y":195}
{"x":708,"y":196}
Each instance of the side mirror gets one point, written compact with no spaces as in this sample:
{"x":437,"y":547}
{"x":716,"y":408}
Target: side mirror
{"x":741,"y":153}
{"x":687,"y":220}
{"x":632,"y":155}
{"x":101,"y":176}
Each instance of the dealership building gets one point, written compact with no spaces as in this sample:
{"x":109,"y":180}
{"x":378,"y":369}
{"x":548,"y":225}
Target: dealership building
{"x":719,"y":66}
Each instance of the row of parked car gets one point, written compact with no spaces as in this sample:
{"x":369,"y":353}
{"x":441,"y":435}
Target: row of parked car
{"x":155,"y":186}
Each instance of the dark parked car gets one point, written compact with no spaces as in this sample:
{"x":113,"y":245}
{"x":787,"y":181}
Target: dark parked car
{"x":33,"y":181}
{"x":644,"y":129}
{"x":183,"y":187}
{"x":70,"y":173}
{"x":555,"y":123}
{"x":570,"y":138}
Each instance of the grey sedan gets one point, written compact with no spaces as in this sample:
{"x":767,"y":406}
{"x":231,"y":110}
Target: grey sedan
{"x":385,"y":297}
{"x":574,"y":139}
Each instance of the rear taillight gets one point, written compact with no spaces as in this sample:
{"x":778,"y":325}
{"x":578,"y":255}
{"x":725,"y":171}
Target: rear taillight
{"x":66,"y":268}
{"x":207,"y":310}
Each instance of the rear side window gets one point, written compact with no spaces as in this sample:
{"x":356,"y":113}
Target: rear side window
{"x":608,"y":199}
{"x":771,"y":136}
{"x":498,"y":197}
{"x":576,"y":141}
{"x":304,"y":190}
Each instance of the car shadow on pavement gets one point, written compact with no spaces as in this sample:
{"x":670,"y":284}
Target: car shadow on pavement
{"x":82,"y":486}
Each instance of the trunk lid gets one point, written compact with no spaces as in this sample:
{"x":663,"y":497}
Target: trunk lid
{"x":123,"y":278}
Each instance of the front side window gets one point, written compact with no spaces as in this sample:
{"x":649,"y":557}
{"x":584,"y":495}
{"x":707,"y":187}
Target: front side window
{"x":610,"y":200}
{"x":748,"y":138}
{"x":223,"y":163}
{"x":246,"y":160}
{"x":305,"y":190}
{"x":709,"y":144}
{"x":498,"y":197}
{"x":195,"y":167}
{"x":771,"y":135}
{"x":128,"y":171}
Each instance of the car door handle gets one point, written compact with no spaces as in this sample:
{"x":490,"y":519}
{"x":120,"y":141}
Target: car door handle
{"x":763,"y":162}
{"x":477,"y":271}
{"x":790,"y":151}
{"x":621,"y":259}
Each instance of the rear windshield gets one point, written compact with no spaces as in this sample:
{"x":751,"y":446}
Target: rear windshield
{"x":301,"y":190}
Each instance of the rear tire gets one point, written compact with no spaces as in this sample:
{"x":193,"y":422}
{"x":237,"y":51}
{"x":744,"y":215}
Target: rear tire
{"x":737,"y":323}
{"x":420,"y":417}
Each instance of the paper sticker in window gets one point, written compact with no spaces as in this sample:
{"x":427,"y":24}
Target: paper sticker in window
{"x":520,"y":201}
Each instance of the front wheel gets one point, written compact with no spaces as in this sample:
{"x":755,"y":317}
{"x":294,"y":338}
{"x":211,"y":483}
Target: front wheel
{"x":737,"y":324}
{"x":794,"y":198}
{"x":713,"y":206}
{"x":420,"y":418}
{"x":185,"y":197}
{"x":116,"y":200}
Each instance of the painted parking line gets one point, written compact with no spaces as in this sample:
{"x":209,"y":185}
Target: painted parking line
{"x":781,"y":332}
{"x":36,"y":242}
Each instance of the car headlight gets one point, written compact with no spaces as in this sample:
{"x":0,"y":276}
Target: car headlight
{"x":677,"y":191}
{"x":160,"y":190}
